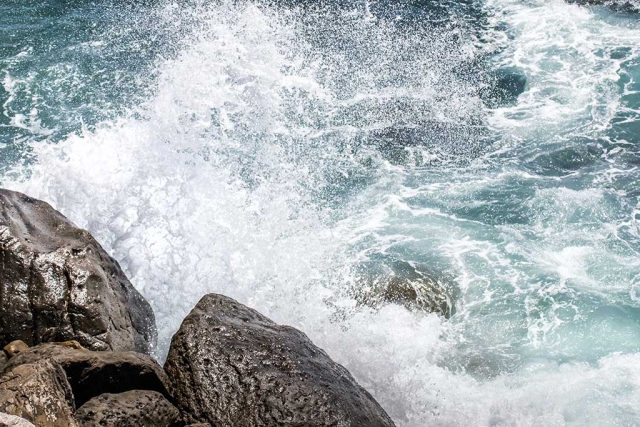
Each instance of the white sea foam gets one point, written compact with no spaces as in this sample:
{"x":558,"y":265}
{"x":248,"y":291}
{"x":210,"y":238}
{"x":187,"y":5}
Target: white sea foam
{"x":567,"y":53}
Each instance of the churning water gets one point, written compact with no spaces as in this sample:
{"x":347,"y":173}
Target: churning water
{"x":280,"y":152}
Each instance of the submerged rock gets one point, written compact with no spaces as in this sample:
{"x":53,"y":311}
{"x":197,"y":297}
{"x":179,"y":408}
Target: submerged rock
{"x":424,"y":294}
{"x":38,"y":392}
{"x":91,"y":373}
{"x":229,"y":365}
{"x":398,"y":282}
{"x":136,"y":408}
{"x":57,"y":284}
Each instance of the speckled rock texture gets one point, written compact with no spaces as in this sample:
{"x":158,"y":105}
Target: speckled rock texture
{"x":230,"y":366}
{"x":92,"y":373}
{"x":7,"y":420}
{"x":3,"y":360}
{"x":136,"y":408}
{"x":58,"y":284}
{"x":38,"y":392}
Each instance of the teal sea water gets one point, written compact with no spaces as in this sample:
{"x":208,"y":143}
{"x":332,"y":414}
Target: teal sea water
{"x":283,"y":152}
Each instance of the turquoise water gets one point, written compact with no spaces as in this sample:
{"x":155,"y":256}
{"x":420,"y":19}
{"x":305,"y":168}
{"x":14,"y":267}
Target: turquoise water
{"x":281,"y":155}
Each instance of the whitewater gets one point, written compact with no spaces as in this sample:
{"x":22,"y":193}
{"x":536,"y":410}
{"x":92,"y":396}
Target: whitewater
{"x":281,"y":153}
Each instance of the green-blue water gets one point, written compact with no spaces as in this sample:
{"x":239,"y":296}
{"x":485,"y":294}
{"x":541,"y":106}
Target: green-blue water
{"x":282,"y":154}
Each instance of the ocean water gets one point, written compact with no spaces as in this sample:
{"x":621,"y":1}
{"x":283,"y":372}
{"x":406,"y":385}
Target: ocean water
{"x":283,"y":153}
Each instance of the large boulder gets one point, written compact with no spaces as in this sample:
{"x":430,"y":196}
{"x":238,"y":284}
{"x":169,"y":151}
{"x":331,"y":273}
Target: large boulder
{"x":58,"y":284}
{"x":136,"y":408}
{"x":38,"y":392}
{"x":230,"y":366}
{"x":92,"y":373}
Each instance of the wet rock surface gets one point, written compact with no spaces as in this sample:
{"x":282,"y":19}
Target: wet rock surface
{"x":92,"y":373}
{"x":58,"y":284}
{"x":422,"y":293}
{"x":229,"y":365}
{"x":136,"y":408}
{"x":414,"y":287}
{"x":38,"y":392}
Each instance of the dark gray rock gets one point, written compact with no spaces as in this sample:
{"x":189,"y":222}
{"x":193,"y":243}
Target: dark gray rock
{"x":136,"y":408}
{"x":7,"y":420}
{"x":230,"y":366}
{"x":423,"y":294}
{"x":58,"y":284}
{"x":92,"y":373}
{"x":38,"y":392}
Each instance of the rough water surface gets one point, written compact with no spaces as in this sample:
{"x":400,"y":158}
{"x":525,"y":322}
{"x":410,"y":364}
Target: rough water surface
{"x":285,"y":153}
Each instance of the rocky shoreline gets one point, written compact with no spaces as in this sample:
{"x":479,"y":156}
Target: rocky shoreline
{"x":77,"y":339}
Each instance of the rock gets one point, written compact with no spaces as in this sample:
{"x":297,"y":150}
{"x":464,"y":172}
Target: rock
{"x":15,"y":347}
{"x":136,"y":408}
{"x":3,"y":360}
{"x":399,"y":282}
{"x":7,"y":420}
{"x":38,"y":392}
{"x":424,"y":294}
{"x":230,"y":366}
{"x":92,"y":373}
{"x":58,"y":284}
